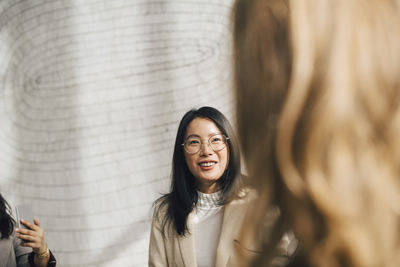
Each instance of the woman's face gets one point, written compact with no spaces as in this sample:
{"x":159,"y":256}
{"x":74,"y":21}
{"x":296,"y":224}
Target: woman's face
{"x":207,"y":165}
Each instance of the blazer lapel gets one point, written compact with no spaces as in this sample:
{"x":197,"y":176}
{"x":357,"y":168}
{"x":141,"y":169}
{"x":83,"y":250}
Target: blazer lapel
{"x":186,"y":245}
{"x":224,"y":248}
{"x":234,"y":213}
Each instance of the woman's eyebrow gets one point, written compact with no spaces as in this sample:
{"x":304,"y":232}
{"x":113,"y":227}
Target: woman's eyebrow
{"x":193,"y":135}
{"x":196,"y":135}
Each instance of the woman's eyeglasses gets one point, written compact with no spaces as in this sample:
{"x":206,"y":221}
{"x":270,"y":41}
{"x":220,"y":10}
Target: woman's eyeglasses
{"x":193,"y":143}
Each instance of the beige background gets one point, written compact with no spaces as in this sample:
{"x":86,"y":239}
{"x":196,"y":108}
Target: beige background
{"x":91,"y":94}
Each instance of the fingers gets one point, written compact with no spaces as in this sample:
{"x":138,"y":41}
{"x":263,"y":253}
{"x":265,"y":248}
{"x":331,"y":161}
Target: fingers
{"x":34,"y":231}
{"x":32,"y":226}
{"x":28,"y":238}
{"x":25,"y":231}
{"x":33,"y":245}
{"x":36,"y":221}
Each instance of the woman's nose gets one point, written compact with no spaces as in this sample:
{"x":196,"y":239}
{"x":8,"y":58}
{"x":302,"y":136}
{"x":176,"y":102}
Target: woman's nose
{"x":205,"y":149}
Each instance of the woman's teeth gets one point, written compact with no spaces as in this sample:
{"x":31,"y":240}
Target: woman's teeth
{"x":207,"y":164}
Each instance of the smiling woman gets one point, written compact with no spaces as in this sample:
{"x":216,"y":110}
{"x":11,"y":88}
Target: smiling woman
{"x":197,"y":223}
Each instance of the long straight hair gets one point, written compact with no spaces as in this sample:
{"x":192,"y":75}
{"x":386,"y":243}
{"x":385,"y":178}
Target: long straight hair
{"x":183,"y":194}
{"x":6,"y":221}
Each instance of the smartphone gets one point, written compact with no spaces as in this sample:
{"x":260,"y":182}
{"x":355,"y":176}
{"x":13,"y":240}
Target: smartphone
{"x":23,"y":212}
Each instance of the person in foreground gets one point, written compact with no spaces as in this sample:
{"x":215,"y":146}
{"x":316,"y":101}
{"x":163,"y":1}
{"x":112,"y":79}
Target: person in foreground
{"x":22,"y":247}
{"x":197,"y":223}
{"x":318,"y":91}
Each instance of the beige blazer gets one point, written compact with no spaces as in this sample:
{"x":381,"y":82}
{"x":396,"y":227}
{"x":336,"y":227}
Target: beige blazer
{"x":178,"y":251}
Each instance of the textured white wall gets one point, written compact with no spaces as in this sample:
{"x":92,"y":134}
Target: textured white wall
{"x":90,"y":97}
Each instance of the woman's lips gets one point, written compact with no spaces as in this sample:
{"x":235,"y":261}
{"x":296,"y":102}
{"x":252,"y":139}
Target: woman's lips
{"x":207,"y":165}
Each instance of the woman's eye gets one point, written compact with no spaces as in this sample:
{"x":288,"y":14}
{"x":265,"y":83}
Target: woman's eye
{"x":193,"y":142}
{"x":216,"y":140}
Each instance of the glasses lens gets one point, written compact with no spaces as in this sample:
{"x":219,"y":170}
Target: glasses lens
{"x":192,"y":144}
{"x":217,"y":142}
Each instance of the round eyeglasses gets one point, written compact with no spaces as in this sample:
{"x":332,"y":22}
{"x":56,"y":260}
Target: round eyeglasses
{"x":193,"y":143}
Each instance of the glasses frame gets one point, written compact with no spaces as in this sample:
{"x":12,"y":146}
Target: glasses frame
{"x":226,"y":138}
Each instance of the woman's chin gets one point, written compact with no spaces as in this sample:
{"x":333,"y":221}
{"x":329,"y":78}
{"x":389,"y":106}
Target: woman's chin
{"x":207,"y":184}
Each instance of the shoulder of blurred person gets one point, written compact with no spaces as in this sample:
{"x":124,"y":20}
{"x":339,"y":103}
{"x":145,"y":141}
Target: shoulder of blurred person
{"x":249,"y":247}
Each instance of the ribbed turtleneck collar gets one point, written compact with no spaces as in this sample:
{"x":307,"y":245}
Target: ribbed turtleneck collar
{"x":209,"y":200}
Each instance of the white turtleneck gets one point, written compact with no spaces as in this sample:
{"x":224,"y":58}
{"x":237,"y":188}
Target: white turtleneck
{"x":207,"y":227}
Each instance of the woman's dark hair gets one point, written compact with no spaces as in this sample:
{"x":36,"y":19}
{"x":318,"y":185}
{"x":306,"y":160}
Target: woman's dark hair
{"x":183,"y":196}
{"x":6,"y":221}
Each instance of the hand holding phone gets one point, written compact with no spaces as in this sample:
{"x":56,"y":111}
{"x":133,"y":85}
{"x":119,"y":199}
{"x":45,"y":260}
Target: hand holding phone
{"x":30,"y":232}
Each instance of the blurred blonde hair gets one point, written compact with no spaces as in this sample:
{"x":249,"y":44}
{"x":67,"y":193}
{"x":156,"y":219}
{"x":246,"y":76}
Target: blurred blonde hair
{"x":317,"y":86}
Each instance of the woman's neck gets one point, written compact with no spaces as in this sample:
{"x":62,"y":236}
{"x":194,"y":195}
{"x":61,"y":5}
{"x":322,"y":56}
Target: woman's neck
{"x":208,"y":188}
